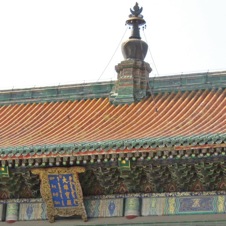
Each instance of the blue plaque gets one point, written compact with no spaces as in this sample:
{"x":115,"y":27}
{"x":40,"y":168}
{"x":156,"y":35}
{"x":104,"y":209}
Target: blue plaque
{"x":63,"y":190}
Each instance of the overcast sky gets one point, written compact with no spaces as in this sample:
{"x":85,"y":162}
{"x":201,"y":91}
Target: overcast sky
{"x":52,"y":42}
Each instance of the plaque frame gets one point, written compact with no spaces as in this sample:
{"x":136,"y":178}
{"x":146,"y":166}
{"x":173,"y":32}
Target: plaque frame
{"x":47,"y":195}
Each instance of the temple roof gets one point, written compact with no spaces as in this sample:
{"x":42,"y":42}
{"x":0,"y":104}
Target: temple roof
{"x":192,"y":116}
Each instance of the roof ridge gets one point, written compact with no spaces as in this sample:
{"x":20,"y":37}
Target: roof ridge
{"x":183,"y":82}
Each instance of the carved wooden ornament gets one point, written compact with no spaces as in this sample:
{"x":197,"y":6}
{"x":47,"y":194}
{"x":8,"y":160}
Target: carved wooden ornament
{"x":61,"y":191}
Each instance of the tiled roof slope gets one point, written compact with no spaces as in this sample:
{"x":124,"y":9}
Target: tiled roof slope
{"x":164,"y":119}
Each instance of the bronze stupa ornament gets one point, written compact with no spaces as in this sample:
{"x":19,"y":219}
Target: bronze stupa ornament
{"x":133,"y":73}
{"x":135,"y":48}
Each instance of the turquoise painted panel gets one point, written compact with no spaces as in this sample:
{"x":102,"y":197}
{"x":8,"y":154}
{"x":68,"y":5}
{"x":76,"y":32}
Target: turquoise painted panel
{"x":153,"y":206}
{"x":12,"y":212}
{"x":92,"y":208}
{"x":32,"y":211}
{"x":104,"y":208}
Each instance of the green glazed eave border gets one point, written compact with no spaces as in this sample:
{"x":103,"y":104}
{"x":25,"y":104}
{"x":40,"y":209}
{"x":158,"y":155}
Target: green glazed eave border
{"x":89,"y":147}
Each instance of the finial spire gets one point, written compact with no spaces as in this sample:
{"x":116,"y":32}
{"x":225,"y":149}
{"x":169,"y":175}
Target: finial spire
{"x":137,"y":10}
{"x":135,"y":48}
{"x":133,"y":72}
{"x":135,"y":20}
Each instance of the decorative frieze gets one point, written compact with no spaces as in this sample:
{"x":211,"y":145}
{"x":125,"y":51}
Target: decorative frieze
{"x":104,"y":207}
{"x":32,"y":211}
{"x":183,"y":205}
{"x":130,"y":206}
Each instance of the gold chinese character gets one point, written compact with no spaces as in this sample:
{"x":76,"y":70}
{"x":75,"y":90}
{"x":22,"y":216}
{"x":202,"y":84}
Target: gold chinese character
{"x":69,"y":202}
{"x":64,"y":180}
{"x":65,"y":187}
{"x":53,"y":186}
{"x":55,"y":194}
{"x":67,"y":194}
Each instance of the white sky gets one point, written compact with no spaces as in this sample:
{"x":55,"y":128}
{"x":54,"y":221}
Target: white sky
{"x":52,"y":42}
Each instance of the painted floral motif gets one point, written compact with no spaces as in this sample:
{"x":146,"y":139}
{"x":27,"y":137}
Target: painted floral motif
{"x":29,"y":211}
{"x":111,"y":207}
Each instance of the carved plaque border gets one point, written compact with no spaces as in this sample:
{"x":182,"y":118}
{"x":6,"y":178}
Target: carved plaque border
{"x":47,"y":195}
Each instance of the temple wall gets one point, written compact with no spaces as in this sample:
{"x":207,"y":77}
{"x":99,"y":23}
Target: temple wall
{"x":128,"y":206}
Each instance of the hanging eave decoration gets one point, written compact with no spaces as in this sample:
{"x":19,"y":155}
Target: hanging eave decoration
{"x":124,"y":164}
{"x":4,"y":171}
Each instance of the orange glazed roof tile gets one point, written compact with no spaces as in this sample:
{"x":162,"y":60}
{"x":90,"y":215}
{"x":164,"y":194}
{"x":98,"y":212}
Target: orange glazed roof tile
{"x":166,"y":119}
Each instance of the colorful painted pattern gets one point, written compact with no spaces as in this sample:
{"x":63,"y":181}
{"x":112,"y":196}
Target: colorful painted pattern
{"x":114,"y":207}
{"x":183,"y":205}
{"x":191,"y":205}
{"x":12,"y":212}
{"x":104,"y":208}
{"x":153,"y":206}
{"x":32,"y":211}
{"x":132,"y":207}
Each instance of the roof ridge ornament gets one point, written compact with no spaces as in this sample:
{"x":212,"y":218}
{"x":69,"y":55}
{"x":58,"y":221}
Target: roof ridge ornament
{"x":137,"y":11}
{"x":134,"y":47}
{"x":133,"y":73}
{"x":136,"y":20}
